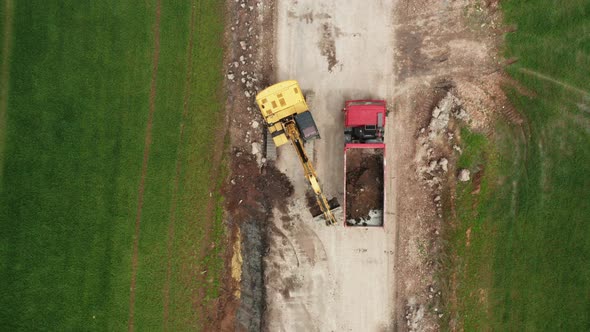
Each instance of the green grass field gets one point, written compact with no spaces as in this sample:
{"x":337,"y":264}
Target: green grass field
{"x":79,"y":94}
{"x":526,"y":265}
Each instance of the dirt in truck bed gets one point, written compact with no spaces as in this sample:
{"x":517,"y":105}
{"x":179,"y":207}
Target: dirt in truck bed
{"x":364,"y":183}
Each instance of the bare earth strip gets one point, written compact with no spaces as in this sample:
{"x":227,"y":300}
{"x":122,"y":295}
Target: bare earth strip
{"x":4,"y":77}
{"x":173,"y":205}
{"x":146,"y":154}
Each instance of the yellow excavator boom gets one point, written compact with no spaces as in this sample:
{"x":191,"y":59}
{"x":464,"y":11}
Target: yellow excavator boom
{"x":310,"y":174}
{"x":287,"y":118}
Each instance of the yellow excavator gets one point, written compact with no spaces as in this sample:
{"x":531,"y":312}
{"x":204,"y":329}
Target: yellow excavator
{"x":288,"y":119}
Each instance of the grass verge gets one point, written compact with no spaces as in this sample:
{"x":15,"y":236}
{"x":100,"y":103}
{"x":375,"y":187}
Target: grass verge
{"x":521,"y":242}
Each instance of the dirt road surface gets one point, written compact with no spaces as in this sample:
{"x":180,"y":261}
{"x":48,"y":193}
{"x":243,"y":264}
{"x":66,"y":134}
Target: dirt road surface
{"x":332,"y":278}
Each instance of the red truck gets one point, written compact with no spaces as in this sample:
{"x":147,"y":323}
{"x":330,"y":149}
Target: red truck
{"x":364,"y":162}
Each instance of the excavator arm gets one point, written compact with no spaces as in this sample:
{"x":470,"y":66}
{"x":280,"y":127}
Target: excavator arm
{"x":295,"y":138}
{"x":288,"y":119}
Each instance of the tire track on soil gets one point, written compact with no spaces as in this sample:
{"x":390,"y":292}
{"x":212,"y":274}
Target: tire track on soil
{"x":173,"y":206}
{"x":553,"y":80}
{"x":146,"y":154}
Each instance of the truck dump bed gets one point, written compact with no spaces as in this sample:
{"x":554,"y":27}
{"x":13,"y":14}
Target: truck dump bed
{"x":364,"y":194}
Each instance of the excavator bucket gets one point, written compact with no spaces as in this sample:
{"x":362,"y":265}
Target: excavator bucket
{"x":337,"y":214}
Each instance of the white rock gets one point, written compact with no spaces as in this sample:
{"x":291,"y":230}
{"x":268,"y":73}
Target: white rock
{"x":255,"y":148}
{"x":436,"y":112}
{"x":443,"y":162}
{"x":247,"y":94}
{"x":462,"y":115}
{"x":437,"y":198}
{"x":243,"y":44}
{"x":236,"y":64}
{"x":255,"y":124}
{"x":231,"y":77}
{"x":432,"y":166}
{"x":464,"y":175}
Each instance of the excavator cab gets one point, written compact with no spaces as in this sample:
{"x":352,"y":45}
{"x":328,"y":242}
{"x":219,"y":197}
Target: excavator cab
{"x":306,"y":126}
{"x":288,"y":119}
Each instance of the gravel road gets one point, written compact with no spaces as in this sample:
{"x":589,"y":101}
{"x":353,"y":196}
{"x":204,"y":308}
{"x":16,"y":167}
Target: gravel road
{"x":336,"y":278}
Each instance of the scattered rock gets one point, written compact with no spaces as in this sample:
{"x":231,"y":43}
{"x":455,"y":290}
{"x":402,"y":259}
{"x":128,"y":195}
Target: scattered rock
{"x":441,"y":115}
{"x":461,"y":115}
{"x":464,"y":175}
{"x":443,"y":162}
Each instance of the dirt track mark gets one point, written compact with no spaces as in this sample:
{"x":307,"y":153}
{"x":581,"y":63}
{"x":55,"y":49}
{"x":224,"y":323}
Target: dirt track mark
{"x":173,"y":205}
{"x":198,"y":293}
{"x":327,"y":45}
{"x":144,"y":166}
{"x":4,"y":77}
{"x":552,"y":80}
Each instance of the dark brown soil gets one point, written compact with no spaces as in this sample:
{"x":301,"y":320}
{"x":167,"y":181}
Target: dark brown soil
{"x":251,"y":193}
{"x":364,"y":182}
{"x":254,"y":188}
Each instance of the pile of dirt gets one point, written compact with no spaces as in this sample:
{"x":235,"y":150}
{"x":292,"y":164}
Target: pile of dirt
{"x":251,"y":194}
{"x":364,"y":183}
{"x":275,"y":186}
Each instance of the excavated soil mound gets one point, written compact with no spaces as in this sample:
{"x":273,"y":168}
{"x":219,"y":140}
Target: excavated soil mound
{"x":364,"y":182}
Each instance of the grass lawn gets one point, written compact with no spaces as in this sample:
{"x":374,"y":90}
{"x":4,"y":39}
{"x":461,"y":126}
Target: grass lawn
{"x":522,"y":244}
{"x":79,"y":94}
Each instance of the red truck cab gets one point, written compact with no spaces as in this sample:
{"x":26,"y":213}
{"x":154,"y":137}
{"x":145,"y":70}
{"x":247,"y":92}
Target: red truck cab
{"x":364,"y":162}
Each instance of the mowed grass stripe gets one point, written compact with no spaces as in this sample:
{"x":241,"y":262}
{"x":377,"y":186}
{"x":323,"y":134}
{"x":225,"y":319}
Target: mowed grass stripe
{"x":6,"y":13}
{"x":79,"y":76}
{"x":151,"y":274}
{"x":177,"y":171}
{"x":191,"y":277}
{"x":201,"y":124}
{"x":144,"y":166}
{"x":80,"y":87}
